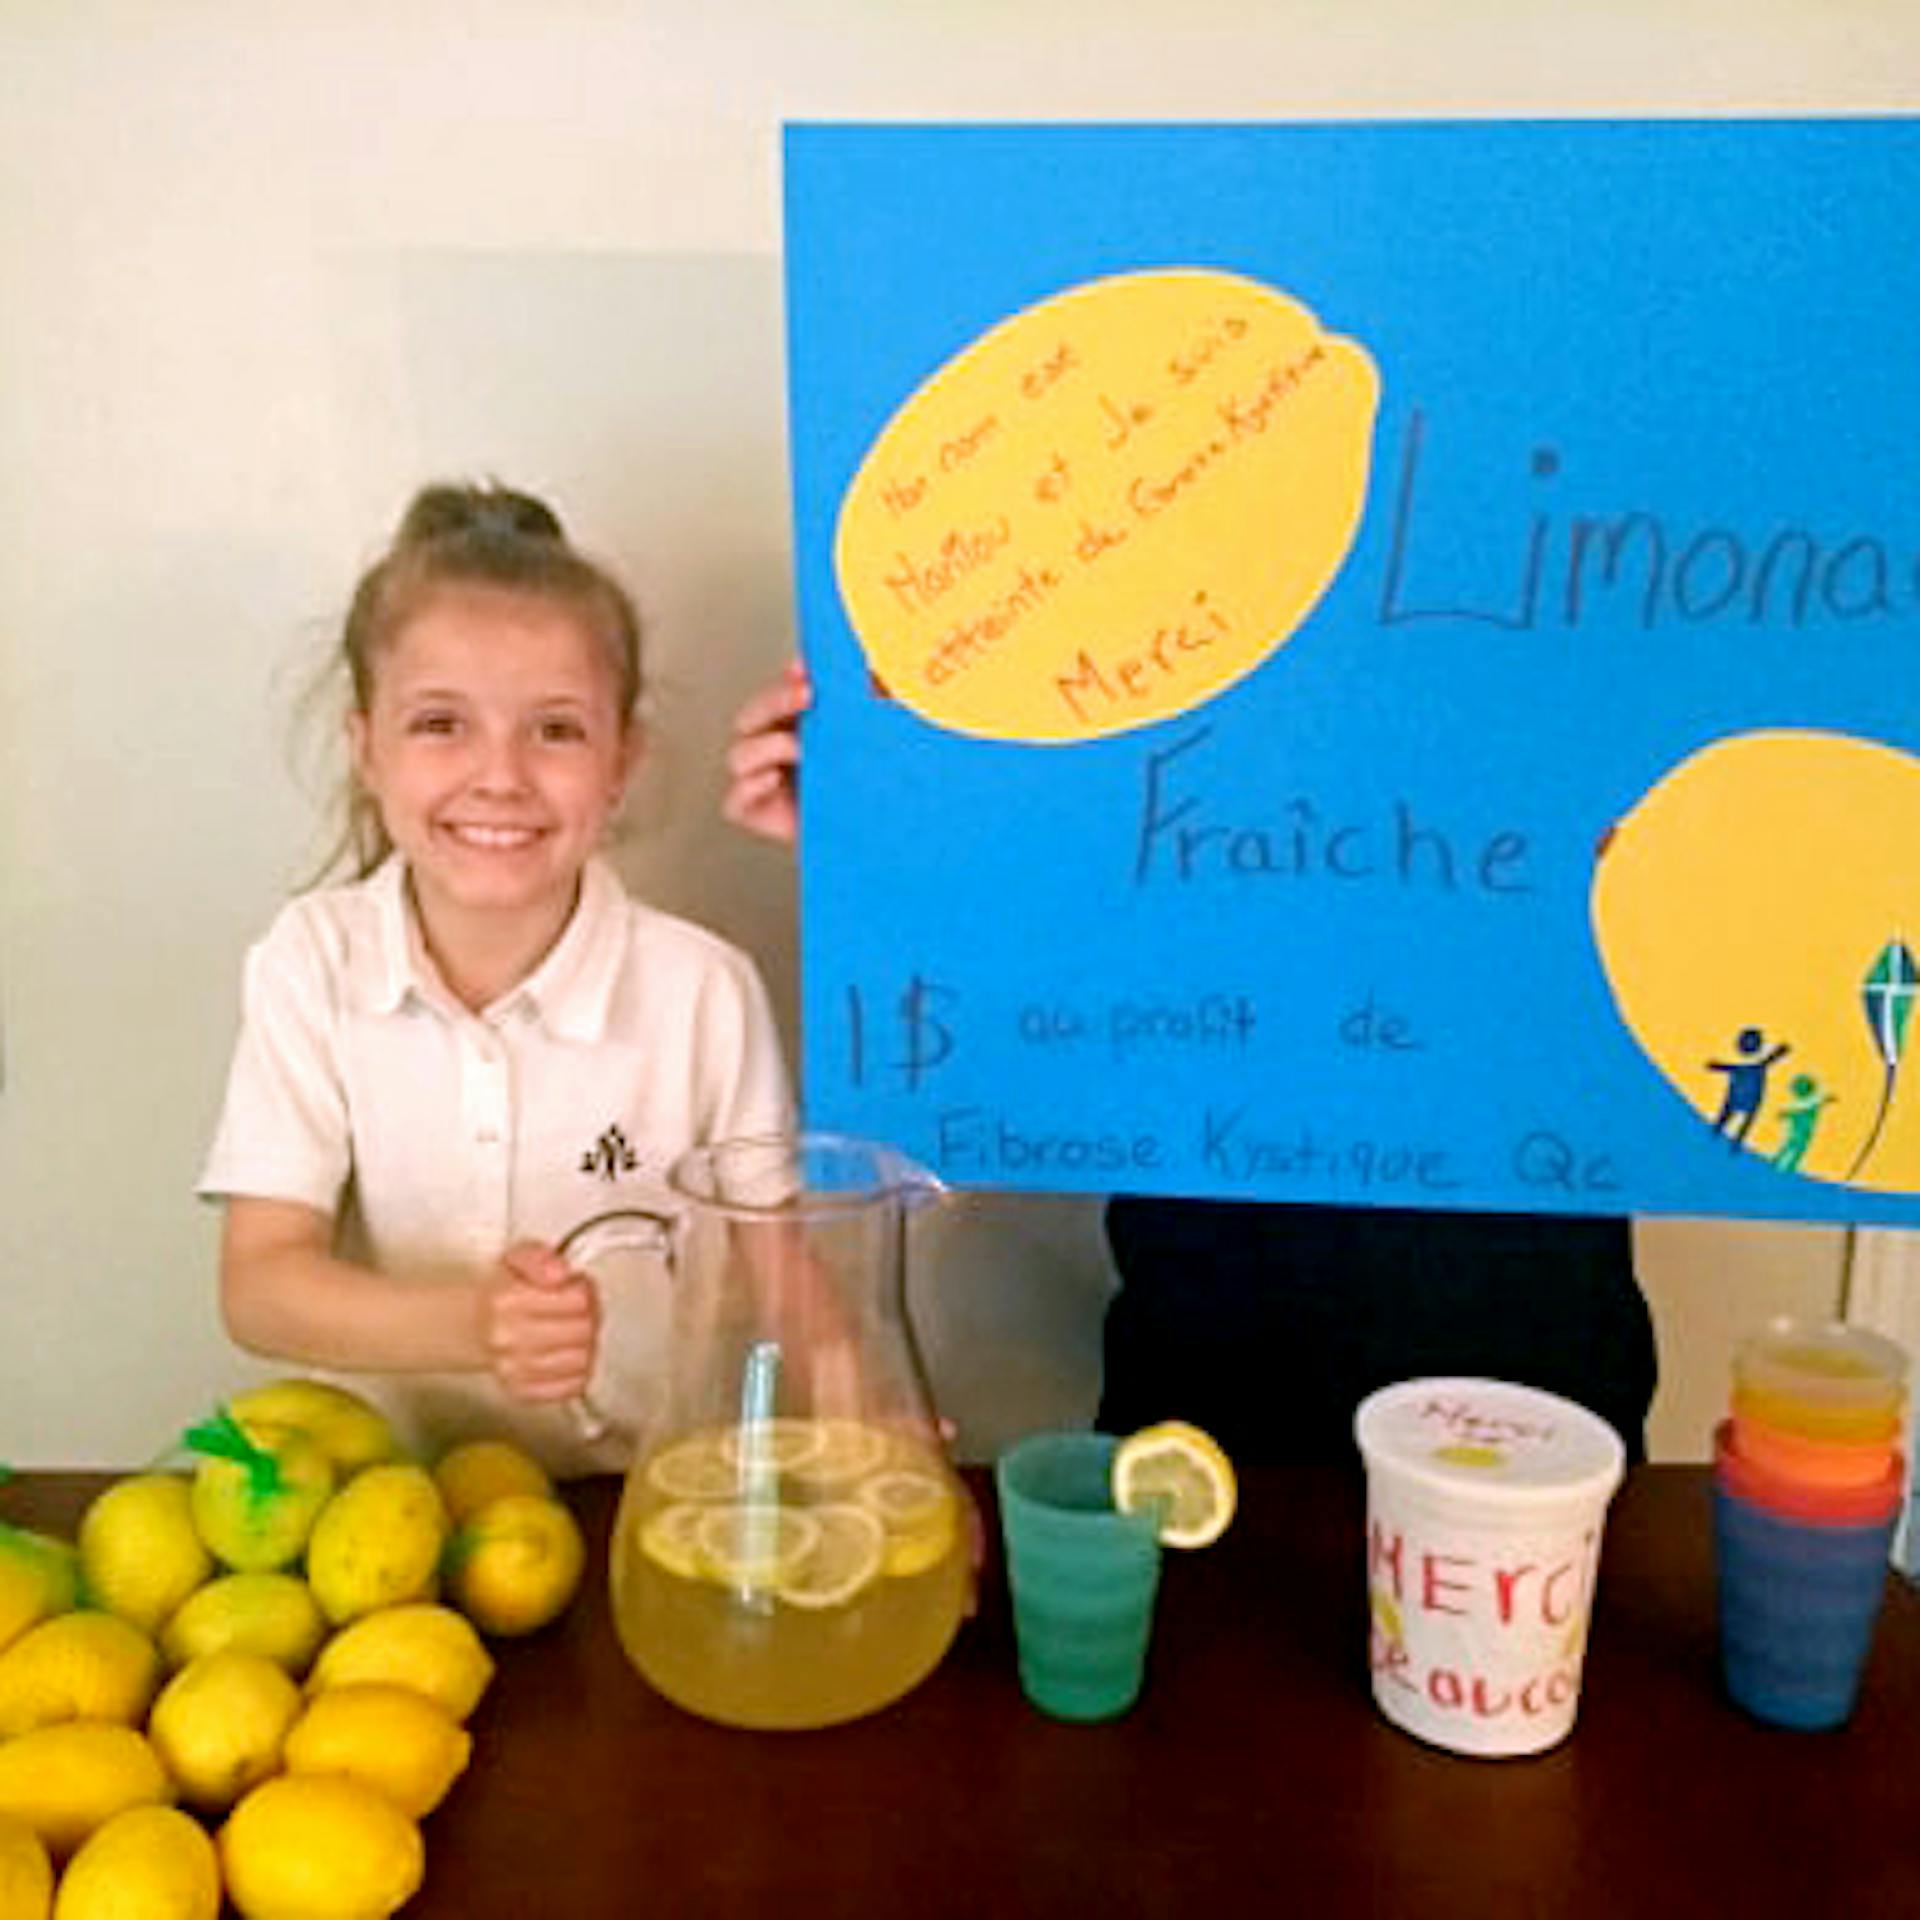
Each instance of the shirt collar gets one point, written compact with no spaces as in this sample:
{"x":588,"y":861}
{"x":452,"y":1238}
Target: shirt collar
{"x":570,"y":990}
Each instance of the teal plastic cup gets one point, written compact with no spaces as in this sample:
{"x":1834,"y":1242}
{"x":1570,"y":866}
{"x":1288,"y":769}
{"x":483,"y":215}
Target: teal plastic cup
{"x":1083,"y":1576}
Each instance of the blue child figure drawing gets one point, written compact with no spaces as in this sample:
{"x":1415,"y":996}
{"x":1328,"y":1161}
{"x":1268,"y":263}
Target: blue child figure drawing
{"x":1746,"y":1084}
{"x":1798,"y":1118}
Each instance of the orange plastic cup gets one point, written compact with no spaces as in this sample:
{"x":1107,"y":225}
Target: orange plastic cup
{"x":1793,"y":1500}
{"x":1809,"y":1461}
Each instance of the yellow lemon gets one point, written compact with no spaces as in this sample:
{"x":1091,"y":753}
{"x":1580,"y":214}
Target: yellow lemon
{"x":377,"y":1543}
{"x":65,"y":1781}
{"x":270,"y":1613}
{"x":846,"y":1559}
{"x":478,"y":1471}
{"x":1182,"y":1473}
{"x":257,"y":1491}
{"x":516,"y":1563}
{"x":26,"y":1872}
{"x":319,"y":1846}
{"x":149,"y":1863}
{"x":39,"y":1577}
{"x":140,"y":1553}
{"x":430,"y":1648}
{"x":219,"y":1724}
{"x":392,"y":1738}
{"x":353,"y":1432}
{"x":77,"y":1666}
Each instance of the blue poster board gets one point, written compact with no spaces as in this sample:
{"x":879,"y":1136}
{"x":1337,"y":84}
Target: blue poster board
{"x":1375,"y":663}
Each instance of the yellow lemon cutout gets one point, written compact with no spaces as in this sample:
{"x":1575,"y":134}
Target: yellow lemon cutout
{"x":1757,"y":915}
{"x":1108,"y":508}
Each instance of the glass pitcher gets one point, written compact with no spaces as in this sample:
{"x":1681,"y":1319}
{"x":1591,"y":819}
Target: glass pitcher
{"x":791,"y":1548}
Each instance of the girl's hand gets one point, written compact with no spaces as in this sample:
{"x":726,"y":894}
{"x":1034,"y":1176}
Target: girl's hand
{"x":763,"y":764}
{"x":541,"y":1324}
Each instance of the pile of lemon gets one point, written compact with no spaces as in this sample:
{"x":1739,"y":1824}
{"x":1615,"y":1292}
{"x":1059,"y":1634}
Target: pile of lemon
{"x":252,"y":1682}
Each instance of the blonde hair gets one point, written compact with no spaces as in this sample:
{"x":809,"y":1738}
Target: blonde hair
{"x":454,"y":535}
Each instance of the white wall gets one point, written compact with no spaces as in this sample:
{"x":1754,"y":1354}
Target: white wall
{"x":266,"y":268}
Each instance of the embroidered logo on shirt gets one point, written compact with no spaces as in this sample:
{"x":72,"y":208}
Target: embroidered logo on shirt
{"x":610,"y":1156}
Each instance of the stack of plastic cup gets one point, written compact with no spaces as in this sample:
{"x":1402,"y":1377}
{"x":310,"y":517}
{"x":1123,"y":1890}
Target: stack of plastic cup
{"x":1808,"y":1486}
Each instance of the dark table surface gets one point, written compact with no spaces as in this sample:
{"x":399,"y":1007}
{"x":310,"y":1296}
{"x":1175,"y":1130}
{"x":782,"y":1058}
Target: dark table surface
{"x":1254,"y":1777}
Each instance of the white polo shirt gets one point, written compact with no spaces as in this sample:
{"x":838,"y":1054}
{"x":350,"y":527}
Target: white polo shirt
{"x":437,"y":1137}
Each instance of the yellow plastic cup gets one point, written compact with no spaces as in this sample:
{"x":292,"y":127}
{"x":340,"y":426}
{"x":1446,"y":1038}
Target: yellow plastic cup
{"x":1821,"y":1379}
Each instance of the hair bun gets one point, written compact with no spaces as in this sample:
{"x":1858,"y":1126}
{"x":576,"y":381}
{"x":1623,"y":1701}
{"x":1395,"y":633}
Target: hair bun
{"x":449,"y":512}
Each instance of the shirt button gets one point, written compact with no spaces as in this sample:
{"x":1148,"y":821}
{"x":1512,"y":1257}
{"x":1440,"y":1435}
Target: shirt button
{"x":488,"y":1136}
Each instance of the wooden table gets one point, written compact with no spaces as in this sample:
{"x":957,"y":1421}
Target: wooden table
{"x":1254,"y":1777}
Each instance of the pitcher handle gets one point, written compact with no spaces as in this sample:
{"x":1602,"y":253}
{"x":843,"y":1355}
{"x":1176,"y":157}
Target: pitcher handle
{"x":633,"y":1227}
{"x":915,"y":1185}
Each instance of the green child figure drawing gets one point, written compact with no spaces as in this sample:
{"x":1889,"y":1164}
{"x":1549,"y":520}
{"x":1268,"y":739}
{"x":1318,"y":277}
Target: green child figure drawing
{"x":1799,"y":1117}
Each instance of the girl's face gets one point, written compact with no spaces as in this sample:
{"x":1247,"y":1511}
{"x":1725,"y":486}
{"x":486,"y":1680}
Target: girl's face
{"x":496,"y":751}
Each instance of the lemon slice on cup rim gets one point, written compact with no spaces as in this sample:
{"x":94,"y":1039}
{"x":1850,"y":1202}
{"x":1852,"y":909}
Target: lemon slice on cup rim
{"x":1183,"y":1473}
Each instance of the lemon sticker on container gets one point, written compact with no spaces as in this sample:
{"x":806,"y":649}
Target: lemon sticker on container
{"x":1109,"y":507}
{"x":1467,"y":1454}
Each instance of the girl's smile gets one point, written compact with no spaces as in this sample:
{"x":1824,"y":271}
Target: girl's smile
{"x":496,"y":750}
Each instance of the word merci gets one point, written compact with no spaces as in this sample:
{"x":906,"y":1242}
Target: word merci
{"x":1485,"y":1636}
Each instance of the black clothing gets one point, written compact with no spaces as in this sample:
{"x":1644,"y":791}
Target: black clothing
{"x":1267,"y":1323}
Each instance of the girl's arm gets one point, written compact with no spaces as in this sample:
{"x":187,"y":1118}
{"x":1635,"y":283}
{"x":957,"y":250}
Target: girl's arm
{"x":532,"y":1322}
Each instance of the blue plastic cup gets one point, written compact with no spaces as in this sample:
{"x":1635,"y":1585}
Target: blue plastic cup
{"x":1083,"y":1575}
{"x":1798,"y":1605}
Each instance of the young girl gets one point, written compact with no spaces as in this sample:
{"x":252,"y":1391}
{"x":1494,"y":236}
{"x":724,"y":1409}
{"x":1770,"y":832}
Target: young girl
{"x":481,"y":1040}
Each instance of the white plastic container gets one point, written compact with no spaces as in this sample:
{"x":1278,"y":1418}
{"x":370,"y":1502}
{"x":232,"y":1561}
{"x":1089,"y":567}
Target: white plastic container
{"x":1485,"y":1507}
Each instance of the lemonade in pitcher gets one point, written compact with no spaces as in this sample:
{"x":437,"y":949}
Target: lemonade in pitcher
{"x":787,"y":1571}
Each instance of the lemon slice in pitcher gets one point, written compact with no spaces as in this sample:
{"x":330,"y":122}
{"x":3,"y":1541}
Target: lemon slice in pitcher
{"x":847,"y":1449}
{"x":780,"y":1444}
{"x":668,"y":1539}
{"x":1183,"y":1473}
{"x":696,"y":1468}
{"x":845,"y":1560}
{"x":917,"y":1510}
{"x":754,"y":1543}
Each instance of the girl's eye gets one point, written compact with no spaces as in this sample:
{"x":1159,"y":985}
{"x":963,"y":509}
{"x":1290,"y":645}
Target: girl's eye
{"x":432,"y":721}
{"x":559,"y":727}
